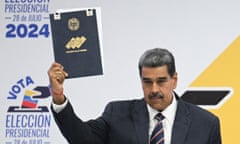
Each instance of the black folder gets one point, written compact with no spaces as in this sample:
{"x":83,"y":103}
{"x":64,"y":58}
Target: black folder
{"x":76,"y":42}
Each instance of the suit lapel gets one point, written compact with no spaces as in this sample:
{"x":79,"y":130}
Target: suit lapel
{"x":140,"y":121}
{"x":181,"y":123}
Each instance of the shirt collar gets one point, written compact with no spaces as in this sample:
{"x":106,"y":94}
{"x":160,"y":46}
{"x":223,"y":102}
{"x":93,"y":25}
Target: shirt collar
{"x":169,"y":112}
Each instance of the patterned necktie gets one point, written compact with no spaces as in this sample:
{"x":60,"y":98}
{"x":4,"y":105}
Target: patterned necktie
{"x":157,"y":136}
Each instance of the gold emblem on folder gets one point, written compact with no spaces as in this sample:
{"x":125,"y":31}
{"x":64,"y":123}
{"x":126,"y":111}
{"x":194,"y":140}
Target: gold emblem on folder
{"x":73,"y":24}
{"x":76,"y":42}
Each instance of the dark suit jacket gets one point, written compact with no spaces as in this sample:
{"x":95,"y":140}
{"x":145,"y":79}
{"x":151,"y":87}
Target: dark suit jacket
{"x":127,"y":122}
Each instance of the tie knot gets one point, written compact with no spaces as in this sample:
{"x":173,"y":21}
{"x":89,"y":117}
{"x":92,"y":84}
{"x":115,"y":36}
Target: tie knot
{"x":159,"y":117}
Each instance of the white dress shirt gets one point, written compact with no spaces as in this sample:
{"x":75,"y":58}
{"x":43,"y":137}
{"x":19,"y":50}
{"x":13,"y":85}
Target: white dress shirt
{"x":57,"y":108}
{"x":169,"y":114}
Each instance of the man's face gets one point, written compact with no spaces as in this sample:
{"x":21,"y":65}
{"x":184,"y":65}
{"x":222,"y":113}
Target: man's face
{"x":158,"y":86}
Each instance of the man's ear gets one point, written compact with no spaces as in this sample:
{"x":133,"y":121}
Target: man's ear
{"x":175,"y":79}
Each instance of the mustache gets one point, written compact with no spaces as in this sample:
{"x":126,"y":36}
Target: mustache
{"x":156,"y":95}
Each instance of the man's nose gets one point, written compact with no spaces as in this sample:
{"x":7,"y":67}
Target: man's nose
{"x":155,"y":87}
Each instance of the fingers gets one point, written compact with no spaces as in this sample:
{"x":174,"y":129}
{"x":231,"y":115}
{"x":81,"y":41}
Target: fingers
{"x":56,"y":73}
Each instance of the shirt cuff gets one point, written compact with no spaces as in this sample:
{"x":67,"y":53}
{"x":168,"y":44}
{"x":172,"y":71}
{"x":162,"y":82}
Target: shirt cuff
{"x":58,"y":108}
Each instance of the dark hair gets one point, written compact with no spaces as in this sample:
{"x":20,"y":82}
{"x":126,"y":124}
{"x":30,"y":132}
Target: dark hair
{"x":157,"y":57}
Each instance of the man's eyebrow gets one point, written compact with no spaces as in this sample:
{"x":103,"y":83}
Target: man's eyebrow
{"x":145,"y":78}
{"x":162,"y":78}
{"x":159,"y":78}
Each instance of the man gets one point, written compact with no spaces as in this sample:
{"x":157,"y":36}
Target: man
{"x":133,"y":121}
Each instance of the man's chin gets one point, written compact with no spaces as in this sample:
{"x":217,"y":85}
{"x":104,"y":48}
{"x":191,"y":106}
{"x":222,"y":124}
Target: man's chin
{"x":157,"y":106}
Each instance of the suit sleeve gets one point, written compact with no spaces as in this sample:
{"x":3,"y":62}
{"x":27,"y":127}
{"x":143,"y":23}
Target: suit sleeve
{"x":215,"y":137}
{"x":77,"y":131}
